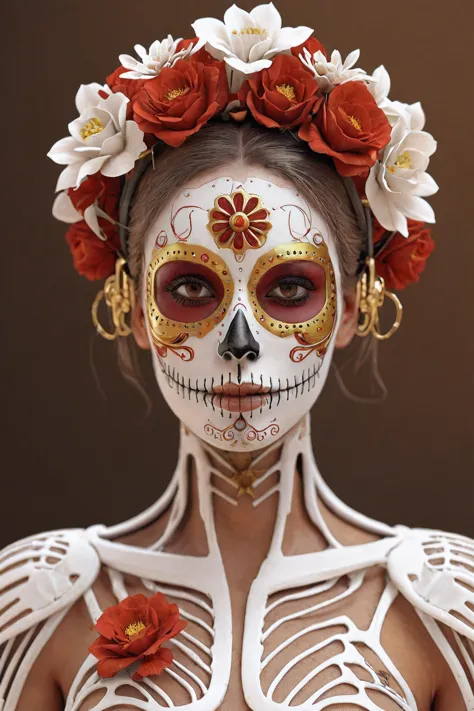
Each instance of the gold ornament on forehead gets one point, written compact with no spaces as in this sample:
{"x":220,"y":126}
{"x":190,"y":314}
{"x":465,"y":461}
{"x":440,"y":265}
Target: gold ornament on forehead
{"x":171,"y":333}
{"x":239,"y":222}
{"x":312,"y":334}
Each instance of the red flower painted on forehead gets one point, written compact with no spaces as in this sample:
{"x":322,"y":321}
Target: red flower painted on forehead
{"x":239,"y":221}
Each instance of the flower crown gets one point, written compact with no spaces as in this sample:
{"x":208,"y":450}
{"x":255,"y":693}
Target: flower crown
{"x":247,"y":66}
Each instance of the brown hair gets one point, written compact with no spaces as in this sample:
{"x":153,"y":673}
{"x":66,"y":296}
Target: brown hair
{"x":220,"y":144}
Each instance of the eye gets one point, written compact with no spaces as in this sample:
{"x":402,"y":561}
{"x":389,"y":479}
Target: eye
{"x":187,"y":292}
{"x":191,"y":290}
{"x":289,"y":291}
{"x":292,"y":291}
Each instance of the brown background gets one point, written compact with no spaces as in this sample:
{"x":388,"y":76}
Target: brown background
{"x":73,"y":454}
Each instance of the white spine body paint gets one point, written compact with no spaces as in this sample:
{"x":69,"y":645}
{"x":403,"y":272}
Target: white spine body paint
{"x":45,"y":574}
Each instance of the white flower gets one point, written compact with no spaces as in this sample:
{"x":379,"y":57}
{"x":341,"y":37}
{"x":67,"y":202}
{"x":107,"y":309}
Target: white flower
{"x":248,"y":41}
{"x":101,"y":139}
{"x":331,"y":72}
{"x":398,"y":182}
{"x":161,"y":54}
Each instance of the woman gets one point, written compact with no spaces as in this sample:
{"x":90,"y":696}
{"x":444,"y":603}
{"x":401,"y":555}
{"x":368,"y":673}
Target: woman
{"x":242,"y":255}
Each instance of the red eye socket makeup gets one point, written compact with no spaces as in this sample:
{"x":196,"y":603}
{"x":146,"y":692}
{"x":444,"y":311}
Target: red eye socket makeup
{"x":187,"y":292}
{"x":171,"y":311}
{"x":312,"y":314}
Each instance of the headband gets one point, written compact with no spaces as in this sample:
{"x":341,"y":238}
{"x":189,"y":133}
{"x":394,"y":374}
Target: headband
{"x":247,"y":66}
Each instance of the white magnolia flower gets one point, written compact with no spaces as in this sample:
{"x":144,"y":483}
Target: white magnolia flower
{"x":331,"y":72}
{"x":398,"y":182}
{"x":161,"y":54}
{"x":248,"y":41}
{"x":101,"y":139}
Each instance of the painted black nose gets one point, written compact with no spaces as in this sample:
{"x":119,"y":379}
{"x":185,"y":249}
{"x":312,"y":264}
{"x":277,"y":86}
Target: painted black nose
{"x":239,"y":342}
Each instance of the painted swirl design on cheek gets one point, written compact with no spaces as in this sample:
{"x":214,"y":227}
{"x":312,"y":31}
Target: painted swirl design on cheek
{"x":292,"y":291}
{"x":177,"y":304}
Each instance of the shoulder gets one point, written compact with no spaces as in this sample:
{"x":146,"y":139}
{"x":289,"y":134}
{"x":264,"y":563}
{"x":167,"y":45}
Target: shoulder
{"x":43,"y":575}
{"x":434,"y":570}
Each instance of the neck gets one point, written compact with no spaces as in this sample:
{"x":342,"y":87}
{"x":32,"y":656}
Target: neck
{"x":232,"y":497}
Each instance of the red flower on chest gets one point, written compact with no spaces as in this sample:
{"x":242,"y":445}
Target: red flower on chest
{"x":135,"y":630}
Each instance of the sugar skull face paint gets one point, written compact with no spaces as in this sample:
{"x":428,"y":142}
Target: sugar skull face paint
{"x":240,"y":298}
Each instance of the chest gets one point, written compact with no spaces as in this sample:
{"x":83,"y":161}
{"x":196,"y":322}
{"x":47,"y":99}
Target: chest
{"x":343,"y":642}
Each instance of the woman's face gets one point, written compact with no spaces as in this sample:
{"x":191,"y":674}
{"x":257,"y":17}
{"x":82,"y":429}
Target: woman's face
{"x":242,"y":301}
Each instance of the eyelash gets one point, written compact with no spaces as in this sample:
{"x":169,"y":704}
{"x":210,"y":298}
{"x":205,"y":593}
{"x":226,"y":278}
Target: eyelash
{"x":188,"y":279}
{"x":292,"y":281}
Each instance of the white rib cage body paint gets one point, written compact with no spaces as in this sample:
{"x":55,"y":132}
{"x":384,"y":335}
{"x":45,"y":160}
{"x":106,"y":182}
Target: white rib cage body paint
{"x":42,"y":576}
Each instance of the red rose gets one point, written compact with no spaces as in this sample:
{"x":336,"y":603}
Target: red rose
{"x":312,"y":44}
{"x":350,"y":127}
{"x":97,"y":187}
{"x":135,"y":630}
{"x":93,"y":257}
{"x":281,"y":96}
{"x":181,"y":99}
{"x":402,"y":261}
{"x":129,"y":87}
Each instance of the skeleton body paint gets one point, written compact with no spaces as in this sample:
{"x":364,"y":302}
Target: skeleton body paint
{"x":241,"y":303}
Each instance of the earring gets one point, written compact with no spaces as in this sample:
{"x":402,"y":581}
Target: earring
{"x":119,"y":296}
{"x":371,"y":294}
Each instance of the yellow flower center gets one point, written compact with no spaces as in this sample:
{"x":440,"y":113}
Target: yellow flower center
{"x":403,"y":161}
{"x":249,"y":31}
{"x":91,"y":127}
{"x":355,"y":122}
{"x":239,"y":222}
{"x":173,"y":94}
{"x":287,"y":90}
{"x":134,"y":628}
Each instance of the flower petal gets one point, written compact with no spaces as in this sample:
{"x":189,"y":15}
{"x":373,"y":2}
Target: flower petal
{"x":210,"y":29}
{"x":62,"y":151}
{"x":267,"y":16}
{"x":90,"y":167}
{"x":380,"y":202}
{"x":426,"y":185}
{"x":64,"y":210}
{"x":110,"y":666}
{"x":113,"y":145}
{"x":237,"y":19}
{"x":258,"y":50}
{"x":155,"y":664}
{"x":134,"y":139}
{"x":351,"y":59}
{"x":246,"y":68}
{"x":91,"y":217}
{"x":291,"y":37}
{"x":416,"y":209}
{"x":420,"y":141}
{"x":68,"y":177}
{"x":118,"y":165}
{"x":88,"y":95}
{"x":380,"y":88}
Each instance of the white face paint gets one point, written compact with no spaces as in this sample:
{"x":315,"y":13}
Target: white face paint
{"x":240,"y":294}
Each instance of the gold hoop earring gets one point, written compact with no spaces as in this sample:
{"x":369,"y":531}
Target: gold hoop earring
{"x":371,"y":294}
{"x":119,"y":296}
